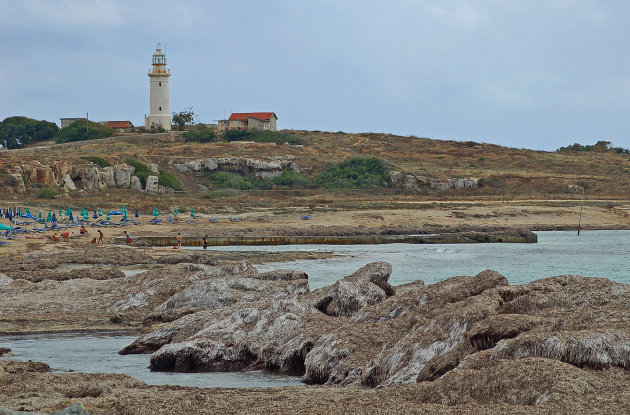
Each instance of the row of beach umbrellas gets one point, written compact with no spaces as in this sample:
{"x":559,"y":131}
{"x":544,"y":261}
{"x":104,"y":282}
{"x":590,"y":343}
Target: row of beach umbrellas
{"x":11,"y":213}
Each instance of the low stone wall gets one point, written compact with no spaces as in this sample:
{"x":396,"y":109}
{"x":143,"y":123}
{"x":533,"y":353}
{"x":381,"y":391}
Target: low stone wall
{"x":447,"y":238}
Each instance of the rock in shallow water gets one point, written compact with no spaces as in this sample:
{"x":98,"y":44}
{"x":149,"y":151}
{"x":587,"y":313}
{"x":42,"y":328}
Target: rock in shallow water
{"x":363,"y":336}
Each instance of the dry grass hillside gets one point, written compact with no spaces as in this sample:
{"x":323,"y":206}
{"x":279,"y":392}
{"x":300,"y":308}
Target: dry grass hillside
{"x":506,"y":173}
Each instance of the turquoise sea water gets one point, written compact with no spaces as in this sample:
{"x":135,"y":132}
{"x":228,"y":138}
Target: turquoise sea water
{"x":594,"y":254}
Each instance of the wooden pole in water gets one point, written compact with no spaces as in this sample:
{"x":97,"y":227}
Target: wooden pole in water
{"x":581,"y":206}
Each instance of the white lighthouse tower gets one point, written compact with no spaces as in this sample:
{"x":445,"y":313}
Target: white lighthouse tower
{"x":160,"y":108}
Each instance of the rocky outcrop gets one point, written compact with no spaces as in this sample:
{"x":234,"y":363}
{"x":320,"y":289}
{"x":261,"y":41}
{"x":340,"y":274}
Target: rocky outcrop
{"x":363,"y":331}
{"x":152,"y":184}
{"x":414,"y":184}
{"x":250,"y":167}
{"x":86,"y":177}
{"x":365,"y":287}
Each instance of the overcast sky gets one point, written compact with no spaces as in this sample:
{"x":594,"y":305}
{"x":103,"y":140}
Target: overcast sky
{"x":533,"y":74}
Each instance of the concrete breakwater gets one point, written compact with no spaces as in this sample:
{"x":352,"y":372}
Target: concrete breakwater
{"x":446,"y":238}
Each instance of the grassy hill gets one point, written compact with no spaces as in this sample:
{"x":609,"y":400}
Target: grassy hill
{"x":503,"y":172}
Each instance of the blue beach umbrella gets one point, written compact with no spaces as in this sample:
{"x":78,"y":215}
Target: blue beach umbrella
{"x":137,"y":216}
{"x":94,"y":216}
{"x":54,"y":217}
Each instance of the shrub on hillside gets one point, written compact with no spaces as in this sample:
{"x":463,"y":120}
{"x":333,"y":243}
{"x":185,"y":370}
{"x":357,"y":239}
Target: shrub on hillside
{"x":82,"y":130}
{"x":200,"y":134}
{"x":16,"y":132}
{"x":46,"y":193}
{"x":355,"y":172}
{"x":291,"y":179}
{"x":599,"y":147}
{"x":263,"y":136}
{"x":236,"y":181}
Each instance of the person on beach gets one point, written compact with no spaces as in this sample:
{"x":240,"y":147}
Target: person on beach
{"x":65,"y":236}
{"x":83,"y":231}
{"x":54,"y":238}
{"x":100,"y":237}
{"x":179,"y":240}
{"x":205,"y":242}
{"x":128,"y":236}
{"x":93,"y":241}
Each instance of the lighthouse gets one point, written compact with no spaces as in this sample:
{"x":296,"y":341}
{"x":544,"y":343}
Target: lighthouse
{"x":160,"y":108}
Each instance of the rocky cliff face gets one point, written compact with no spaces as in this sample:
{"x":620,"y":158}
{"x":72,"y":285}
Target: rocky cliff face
{"x":65,"y":175}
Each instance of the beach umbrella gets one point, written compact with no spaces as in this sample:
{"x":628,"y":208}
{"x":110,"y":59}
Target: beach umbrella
{"x":108,"y":217}
{"x":27,"y":212}
{"x":124,"y":209}
{"x":70,"y":217}
{"x":192,"y":212}
{"x":49,"y":217}
{"x":100,"y":212}
{"x":40,"y":216}
{"x":68,"y":212}
{"x":54,"y":218}
{"x":155,"y":212}
{"x":94,"y":216}
{"x":175,"y":212}
{"x":18,"y":212}
{"x":137,"y":216}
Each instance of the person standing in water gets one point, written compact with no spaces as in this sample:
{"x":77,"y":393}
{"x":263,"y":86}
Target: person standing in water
{"x":179,"y":240}
{"x":205,"y":242}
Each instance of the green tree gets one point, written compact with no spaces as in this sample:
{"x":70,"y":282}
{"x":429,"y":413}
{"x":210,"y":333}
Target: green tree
{"x":83,"y":129}
{"x":16,"y":132}
{"x":184,"y":118}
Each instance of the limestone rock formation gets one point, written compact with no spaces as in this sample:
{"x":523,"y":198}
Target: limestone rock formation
{"x":250,"y":167}
{"x":412,"y":183}
{"x":152,"y":184}
{"x":362,"y":331}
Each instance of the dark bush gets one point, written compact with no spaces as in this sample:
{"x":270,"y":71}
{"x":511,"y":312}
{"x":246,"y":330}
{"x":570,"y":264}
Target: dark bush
{"x":355,"y":172}
{"x":82,"y":130}
{"x":16,"y":132}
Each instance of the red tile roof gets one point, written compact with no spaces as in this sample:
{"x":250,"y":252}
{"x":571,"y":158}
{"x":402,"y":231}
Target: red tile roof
{"x":263,"y":116}
{"x":119,"y":124}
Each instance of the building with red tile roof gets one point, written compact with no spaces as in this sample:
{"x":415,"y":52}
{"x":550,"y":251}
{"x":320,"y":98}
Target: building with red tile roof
{"x":250,"y":121}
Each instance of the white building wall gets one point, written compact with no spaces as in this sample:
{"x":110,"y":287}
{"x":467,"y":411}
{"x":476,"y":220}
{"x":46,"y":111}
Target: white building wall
{"x":160,"y":107}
